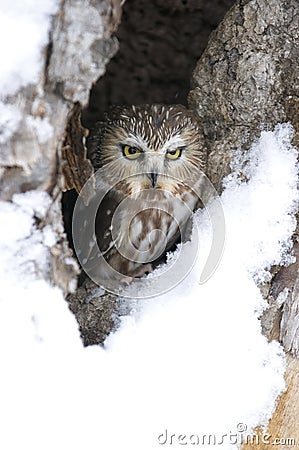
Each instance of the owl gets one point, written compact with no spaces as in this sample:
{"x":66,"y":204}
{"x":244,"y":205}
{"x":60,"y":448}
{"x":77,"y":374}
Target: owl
{"x":148,"y":161}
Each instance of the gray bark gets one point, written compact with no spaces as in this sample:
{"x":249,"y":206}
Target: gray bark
{"x":81,"y":44}
{"x":247,"y":80}
{"x":285,"y":289}
{"x":160,"y":43}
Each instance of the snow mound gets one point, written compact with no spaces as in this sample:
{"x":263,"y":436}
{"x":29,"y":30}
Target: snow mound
{"x":24,"y":29}
{"x":189,"y":367}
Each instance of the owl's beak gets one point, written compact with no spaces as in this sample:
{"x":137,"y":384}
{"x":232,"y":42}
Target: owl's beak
{"x":153,"y":177}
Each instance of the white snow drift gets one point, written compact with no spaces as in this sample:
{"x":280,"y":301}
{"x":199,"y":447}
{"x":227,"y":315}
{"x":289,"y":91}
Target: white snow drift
{"x":189,"y":364}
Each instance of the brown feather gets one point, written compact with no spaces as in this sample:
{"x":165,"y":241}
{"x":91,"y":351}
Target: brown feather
{"x":154,"y":130}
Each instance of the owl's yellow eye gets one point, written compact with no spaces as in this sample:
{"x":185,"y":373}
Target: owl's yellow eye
{"x":174,"y":154}
{"x":131,"y":152}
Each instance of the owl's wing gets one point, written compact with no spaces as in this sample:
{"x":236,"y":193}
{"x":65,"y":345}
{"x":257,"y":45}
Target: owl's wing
{"x":93,"y":234}
{"x":104,"y":218}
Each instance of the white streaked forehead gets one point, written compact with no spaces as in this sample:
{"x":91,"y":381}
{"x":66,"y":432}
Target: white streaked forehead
{"x":173,"y":142}
{"x":145,"y":145}
{"x":136,"y":141}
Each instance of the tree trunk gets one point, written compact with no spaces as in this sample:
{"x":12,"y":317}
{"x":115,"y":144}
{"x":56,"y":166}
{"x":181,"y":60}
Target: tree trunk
{"x":81,"y":44}
{"x":247,"y":80}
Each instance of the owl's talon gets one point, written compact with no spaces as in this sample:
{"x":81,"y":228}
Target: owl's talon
{"x":141,"y":271}
{"x":126,"y":281}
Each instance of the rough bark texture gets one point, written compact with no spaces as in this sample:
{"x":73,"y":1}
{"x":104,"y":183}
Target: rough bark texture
{"x":160,"y":43}
{"x":285,"y":287}
{"x":76,"y":168}
{"x":97,"y":315}
{"x":282,"y":431}
{"x":247,"y":79}
{"x":81,"y":45}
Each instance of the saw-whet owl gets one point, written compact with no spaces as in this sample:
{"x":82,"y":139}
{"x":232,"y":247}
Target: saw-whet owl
{"x":150,"y":159}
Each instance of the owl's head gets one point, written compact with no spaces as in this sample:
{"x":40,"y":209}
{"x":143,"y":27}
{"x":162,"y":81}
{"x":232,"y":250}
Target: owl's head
{"x":150,"y":146}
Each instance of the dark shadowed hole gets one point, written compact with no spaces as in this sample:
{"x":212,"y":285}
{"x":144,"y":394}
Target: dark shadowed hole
{"x":160,"y":43}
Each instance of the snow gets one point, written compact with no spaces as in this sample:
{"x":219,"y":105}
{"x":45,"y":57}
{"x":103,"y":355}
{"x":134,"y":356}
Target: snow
{"x":35,"y":203}
{"x":266,"y":200}
{"x":184,"y":364}
{"x":41,"y":127}
{"x":9,"y":120}
{"x":24,"y":28}
{"x":22,"y":243}
{"x":187,"y":363}
{"x":24,"y":34}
